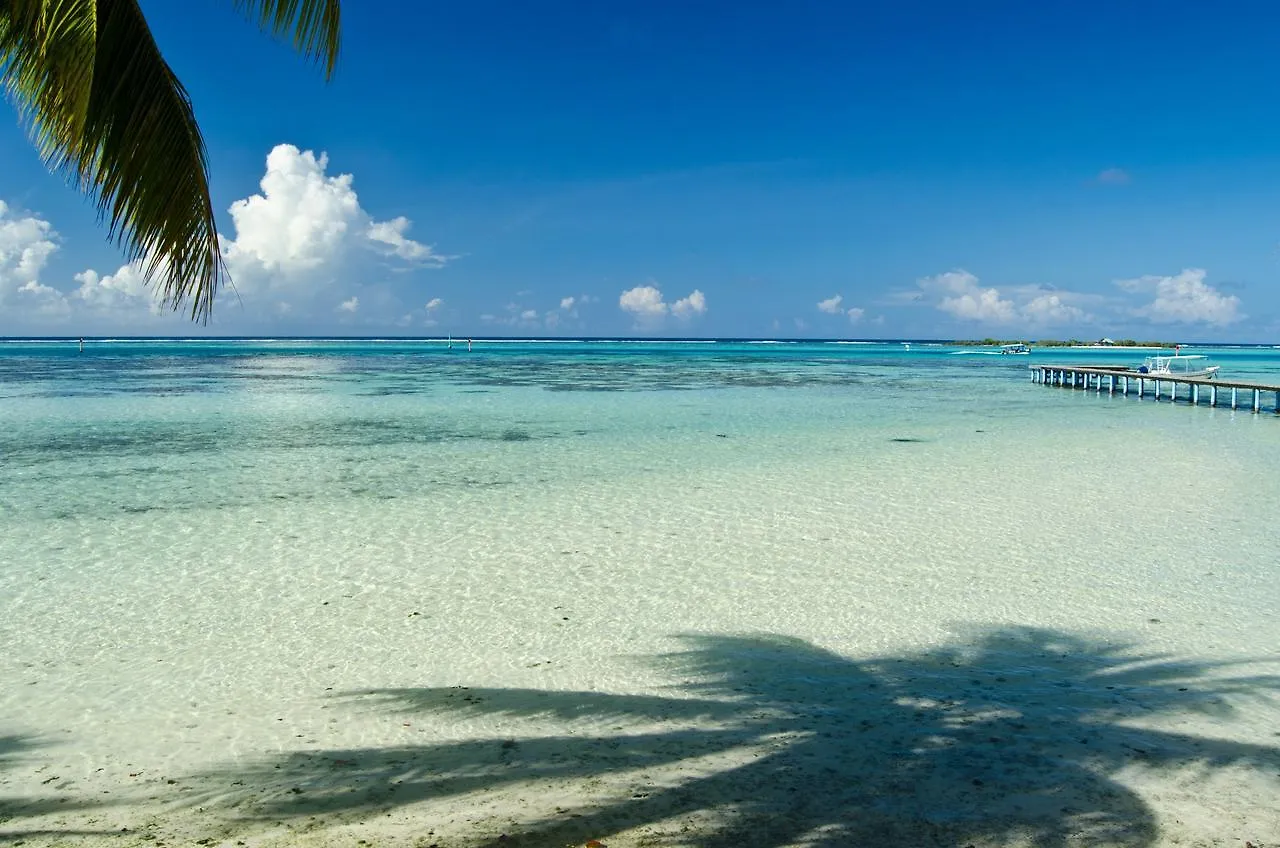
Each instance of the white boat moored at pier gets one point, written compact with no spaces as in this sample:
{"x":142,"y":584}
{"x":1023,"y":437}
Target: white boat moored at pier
{"x":1179,"y":365}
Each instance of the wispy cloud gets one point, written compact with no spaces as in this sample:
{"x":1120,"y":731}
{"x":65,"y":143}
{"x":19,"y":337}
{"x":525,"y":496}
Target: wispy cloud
{"x":1113,"y":176}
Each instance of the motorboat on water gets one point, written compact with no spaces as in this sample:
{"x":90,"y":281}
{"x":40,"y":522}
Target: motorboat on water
{"x":1015,"y":349}
{"x":1179,"y":365}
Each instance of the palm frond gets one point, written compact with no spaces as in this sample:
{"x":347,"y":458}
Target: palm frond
{"x":46,"y":63}
{"x":313,"y":25}
{"x":105,"y":108}
{"x":151,"y":175}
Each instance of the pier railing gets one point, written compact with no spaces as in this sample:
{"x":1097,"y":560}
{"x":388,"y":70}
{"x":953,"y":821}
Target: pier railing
{"x":1257,"y":397}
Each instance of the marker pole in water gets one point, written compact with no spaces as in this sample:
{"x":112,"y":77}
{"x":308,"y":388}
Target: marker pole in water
{"x":82,"y":345}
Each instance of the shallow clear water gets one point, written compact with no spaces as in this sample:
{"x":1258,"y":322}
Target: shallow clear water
{"x":202,"y":541}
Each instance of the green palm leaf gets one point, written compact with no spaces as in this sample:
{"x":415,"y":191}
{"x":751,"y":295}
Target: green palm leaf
{"x":104,"y":107}
{"x":46,"y":53}
{"x":313,"y":24}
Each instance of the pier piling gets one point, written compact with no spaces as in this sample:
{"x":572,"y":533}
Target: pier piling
{"x":1087,"y":377}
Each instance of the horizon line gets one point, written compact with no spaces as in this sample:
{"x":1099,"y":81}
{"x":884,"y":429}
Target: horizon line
{"x":695,"y":339}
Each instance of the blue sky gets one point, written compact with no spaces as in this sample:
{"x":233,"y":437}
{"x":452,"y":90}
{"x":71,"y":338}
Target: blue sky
{"x":910,"y":169}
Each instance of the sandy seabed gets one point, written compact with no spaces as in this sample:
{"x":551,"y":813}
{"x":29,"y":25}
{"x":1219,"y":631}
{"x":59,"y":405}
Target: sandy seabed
{"x":752,"y":650}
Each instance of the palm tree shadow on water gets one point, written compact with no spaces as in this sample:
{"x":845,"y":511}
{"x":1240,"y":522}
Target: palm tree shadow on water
{"x":1009,"y":736}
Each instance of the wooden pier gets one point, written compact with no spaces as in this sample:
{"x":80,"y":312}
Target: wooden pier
{"x":1118,"y":379}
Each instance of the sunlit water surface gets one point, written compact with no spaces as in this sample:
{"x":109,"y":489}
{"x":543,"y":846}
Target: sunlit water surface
{"x":201,"y":543}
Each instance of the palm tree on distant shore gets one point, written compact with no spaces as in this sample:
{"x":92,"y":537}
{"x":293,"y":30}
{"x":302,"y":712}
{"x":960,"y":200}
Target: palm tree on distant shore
{"x":104,"y":108}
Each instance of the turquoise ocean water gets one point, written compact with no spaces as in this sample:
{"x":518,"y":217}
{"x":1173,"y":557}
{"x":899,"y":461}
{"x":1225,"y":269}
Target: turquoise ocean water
{"x":132,"y":426}
{"x":202,"y":541}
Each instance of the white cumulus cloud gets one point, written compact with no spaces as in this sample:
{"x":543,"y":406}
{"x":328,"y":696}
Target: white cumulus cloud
{"x":299,"y":222}
{"x":1052,"y":309}
{"x":834,"y":305}
{"x":434,"y":303}
{"x":292,"y":248}
{"x":125,"y":290}
{"x":980,"y":305}
{"x":649,"y":308}
{"x":831,"y":305}
{"x":643,"y":301}
{"x":26,"y":243}
{"x":1184,"y":298}
{"x":962,"y":295}
{"x":305,"y":218}
{"x":306,"y":232}
{"x":688,"y":307}
{"x":956,"y":282}
{"x":351,"y":304}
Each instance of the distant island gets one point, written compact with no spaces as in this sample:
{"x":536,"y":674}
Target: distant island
{"x":1067,"y":343}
